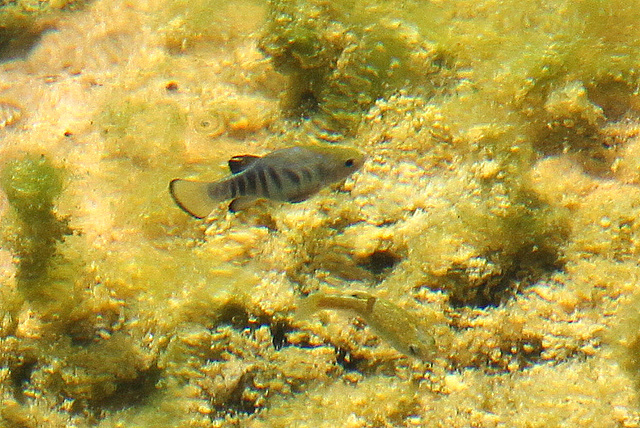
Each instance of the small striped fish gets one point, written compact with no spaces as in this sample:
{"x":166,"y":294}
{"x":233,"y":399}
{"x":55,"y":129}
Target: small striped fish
{"x":289,"y":175}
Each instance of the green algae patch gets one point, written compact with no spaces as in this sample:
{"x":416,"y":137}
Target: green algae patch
{"x":525,"y":68}
{"x":514,"y":66}
{"x":22,"y":21}
{"x":98,"y":315}
{"x":455,"y":216}
{"x":143,"y":131}
{"x":32,"y":185}
{"x":340,"y":58}
{"x":187,"y":25}
{"x":515,"y":239}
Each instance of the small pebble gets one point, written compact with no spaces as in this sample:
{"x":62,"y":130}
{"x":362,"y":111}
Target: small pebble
{"x":9,"y":114}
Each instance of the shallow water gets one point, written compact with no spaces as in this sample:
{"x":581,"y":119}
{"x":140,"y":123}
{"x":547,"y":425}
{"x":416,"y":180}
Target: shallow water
{"x":497,"y":206}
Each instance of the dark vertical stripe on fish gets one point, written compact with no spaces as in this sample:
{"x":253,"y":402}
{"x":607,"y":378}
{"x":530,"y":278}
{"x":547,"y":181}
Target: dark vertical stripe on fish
{"x":242,"y":190}
{"x":307,"y":174}
{"x":292,"y":176}
{"x":212,"y":191}
{"x":234,"y":189}
{"x":262,"y":176}
{"x":251,"y":182}
{"x":320,"y":172}
{"x":275,"y":178}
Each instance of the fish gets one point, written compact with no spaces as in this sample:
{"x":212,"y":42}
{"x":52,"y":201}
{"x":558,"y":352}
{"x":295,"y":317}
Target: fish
{"x":399,"y":327}
{"x":291,"y":174}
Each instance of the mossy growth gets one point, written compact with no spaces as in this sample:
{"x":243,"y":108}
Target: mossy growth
{"x":32,"y":185}
{"x":514,"y":236}
{"x":22,"y":21}
{"x":142,"y":131}
{"x":187,"y":24}
{"x":341,"y":57}
{"x":557,"y":73}
{"x":517,"y":239}
{"x":145,"y":137}
{"x":504,"y":63}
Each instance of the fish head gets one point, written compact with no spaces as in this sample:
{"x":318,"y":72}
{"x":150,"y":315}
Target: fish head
{"x":339,"y":162}
{"x":422,"y":348}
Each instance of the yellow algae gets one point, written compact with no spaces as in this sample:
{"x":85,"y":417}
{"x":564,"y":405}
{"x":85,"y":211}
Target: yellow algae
{"x":498,"y":204}
{"x":143,"y":132}
{"x":627,"y":165}
{"x":327,"y":406}
{"x":187,"y":25}
{"x":561,"y":181}
{"x":606,"y":225}
{"x":573,"y":98}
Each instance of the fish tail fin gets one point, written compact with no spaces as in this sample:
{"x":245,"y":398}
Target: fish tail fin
{"x":307,"y":306}
{"x":192,"y":196}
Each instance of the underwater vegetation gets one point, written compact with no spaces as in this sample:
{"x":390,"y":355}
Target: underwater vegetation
{"x":535,"y":81}
{"x":497,"y":208}
{"x":162,"y":124}
{"x":32,"y":185}
{"x":22,"y":22}
{"x":341,"y":57}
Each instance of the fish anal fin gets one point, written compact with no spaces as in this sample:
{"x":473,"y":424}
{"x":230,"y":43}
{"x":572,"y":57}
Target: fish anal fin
{"x":239,"y":163}
{"x":241,"y":203}
{"x":301,"y":197}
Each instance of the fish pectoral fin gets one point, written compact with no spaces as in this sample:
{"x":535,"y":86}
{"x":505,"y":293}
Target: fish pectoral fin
{"x":241,"y":203}
{"x":239,"y":163}
{"x":192,"y":197}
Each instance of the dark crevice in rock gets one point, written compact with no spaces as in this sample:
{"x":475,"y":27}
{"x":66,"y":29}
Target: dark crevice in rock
{"x":380,"y":262}
{"x":20,"y":378}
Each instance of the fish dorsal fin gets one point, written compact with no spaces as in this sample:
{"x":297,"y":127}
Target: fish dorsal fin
{"x":239,"y":163}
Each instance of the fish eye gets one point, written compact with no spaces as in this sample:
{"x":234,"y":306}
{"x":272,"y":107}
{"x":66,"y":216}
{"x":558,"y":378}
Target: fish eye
{"x":413,"y":349}
{"x":349,"y":163}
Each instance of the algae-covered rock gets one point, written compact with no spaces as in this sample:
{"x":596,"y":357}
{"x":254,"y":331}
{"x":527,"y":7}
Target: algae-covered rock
{"x":340,"y":59}
{"x":186,"y":25}
{"x":497,"y":205}
{"x":143,"y":132}
{"x":21,"y":22}
{"x":32,"y":185}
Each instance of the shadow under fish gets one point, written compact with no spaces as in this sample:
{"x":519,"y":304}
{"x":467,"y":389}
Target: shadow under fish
{"x":291,"y":174}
